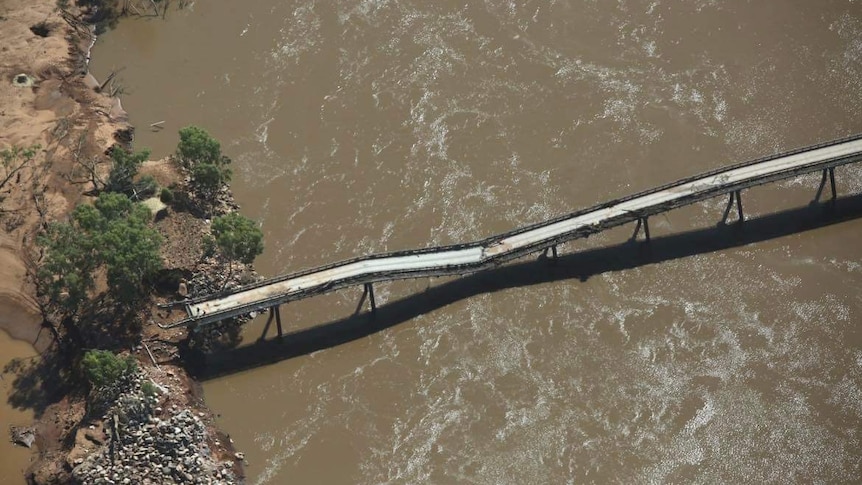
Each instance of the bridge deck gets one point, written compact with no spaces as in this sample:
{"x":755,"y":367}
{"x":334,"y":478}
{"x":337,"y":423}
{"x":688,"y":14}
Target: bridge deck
{"x":467,"y":258}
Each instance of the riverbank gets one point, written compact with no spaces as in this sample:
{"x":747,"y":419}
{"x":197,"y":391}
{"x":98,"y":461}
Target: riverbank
{"x":50,"y":101}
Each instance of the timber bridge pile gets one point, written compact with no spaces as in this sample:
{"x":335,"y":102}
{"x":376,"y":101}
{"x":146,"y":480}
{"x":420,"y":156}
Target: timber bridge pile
{"x":467,"y":258}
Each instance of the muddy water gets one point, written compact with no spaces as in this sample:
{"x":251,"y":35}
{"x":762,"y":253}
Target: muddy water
{"x":14,"y":460}
{"x":363,"y":126}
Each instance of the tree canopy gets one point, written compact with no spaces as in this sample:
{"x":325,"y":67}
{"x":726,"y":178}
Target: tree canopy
{"x":201,"y":154}
{"x":102,"y":367}
{"x":208,"y":178}
{"x":113,"y":234}
{"x":197,"y":146}
{"x":238,"y":237}
{"x":124,"y":170}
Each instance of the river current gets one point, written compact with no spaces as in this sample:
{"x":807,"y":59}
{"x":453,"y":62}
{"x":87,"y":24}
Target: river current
{"x":372,"y":125}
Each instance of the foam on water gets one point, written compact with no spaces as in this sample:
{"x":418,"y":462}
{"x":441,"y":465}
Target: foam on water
{"x":482,"y":117}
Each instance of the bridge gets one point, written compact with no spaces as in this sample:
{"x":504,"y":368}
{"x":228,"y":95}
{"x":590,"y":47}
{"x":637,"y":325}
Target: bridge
{"x":461,"y":259}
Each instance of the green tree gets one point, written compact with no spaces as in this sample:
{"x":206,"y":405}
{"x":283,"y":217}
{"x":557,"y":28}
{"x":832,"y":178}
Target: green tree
{"x":208,"y":178}
{"x":238,"y":238}
{"x":129,"y":249}
{"x":113,"y":234}
{"x":102,"y":367}
{"x":124,"y":170}
{"x":66,"y":274}
{"x":201,"y":154}
{"x":197,"y":146}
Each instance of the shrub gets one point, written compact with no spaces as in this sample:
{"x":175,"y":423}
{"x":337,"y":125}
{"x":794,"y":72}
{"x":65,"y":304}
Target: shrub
{"x":146,"y":187}
{"x":148,"y":388}
{"x":102,"y":367}
{"x":124,"y":170}
{"x":208,"y":246}
{"x":166,"y":196}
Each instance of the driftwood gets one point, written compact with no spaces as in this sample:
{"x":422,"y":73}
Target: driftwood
{"x":110,"y":78}
{"x":151,"y":355}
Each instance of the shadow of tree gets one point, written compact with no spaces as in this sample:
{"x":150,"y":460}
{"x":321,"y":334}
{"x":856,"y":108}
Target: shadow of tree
{"x":580,"y":265}
{"x":39,"y":381}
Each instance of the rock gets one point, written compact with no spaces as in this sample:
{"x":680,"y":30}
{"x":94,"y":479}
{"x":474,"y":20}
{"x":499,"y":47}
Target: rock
{"x":239,"y":455}
{"x":93,"y":437}
{"x":183,"y":289}
{"x":22,"y":436}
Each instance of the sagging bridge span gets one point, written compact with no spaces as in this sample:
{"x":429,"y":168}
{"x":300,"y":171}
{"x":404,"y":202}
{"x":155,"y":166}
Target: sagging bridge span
{"x":461,"y":259}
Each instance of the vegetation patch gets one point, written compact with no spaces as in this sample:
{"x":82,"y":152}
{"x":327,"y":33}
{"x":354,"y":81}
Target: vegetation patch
{"x":102,"y":368}
{"x":42,"y":29}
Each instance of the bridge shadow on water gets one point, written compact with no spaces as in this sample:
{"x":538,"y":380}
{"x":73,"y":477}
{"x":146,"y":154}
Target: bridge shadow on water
{"x":578,"y":265}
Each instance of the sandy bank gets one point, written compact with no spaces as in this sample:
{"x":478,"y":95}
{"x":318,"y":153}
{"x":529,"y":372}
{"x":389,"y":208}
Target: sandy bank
{"x":60,"y":114}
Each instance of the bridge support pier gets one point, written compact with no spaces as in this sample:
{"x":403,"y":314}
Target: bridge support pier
{"x":266,"y":327}
{"x":274,"y":313}
{"x":369,"y":291}
{"x":738,"y":196}
{"x":277,"y":311}
{"x":830,"y":173}
{"x":735,"y":196}
{"x":642,"y":222}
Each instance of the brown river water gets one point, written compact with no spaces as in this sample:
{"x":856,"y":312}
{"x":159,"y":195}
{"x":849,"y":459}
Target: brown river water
{"x":14,"y":460}
{"x":712,"y":355}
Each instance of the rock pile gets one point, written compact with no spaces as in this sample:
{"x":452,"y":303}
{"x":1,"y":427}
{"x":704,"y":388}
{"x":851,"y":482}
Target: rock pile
{"x":148,"y":445}
{"x":212,"y":276}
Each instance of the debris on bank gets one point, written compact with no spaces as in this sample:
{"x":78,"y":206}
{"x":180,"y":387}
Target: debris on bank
{"x":22,"y":436}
